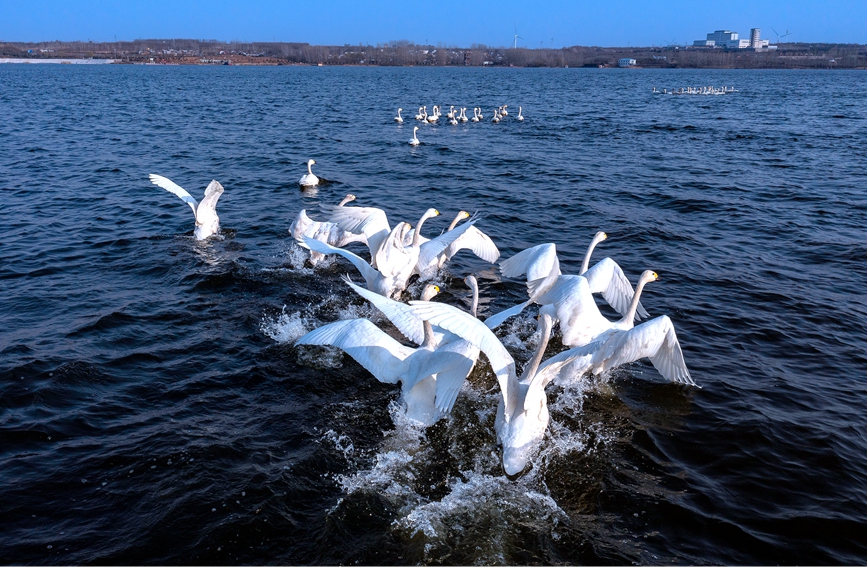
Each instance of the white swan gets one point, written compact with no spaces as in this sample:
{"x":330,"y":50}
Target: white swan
{"x":388,"y":360}
{"x":463,"y":116}
{"x":454,"y":358}
{"x":435,"y":116}
{"x":473,"y":239}
{"x":480,"y":114}
{"x":309,"y":180}
{"x":542,"y":267}
{"x":419,"y":116}
{"x":503,"y":111}
{"x":522,"y":414}
{"x":624,"y":343}
{"x":327,"y":232}
{"x":451,"y":112}
{"x":394,"y":261}
{"x":496,"y":118}
{"x":475,"y":117}
{"x":414,"y":140}
{"x":207,"y":221}
{"x":453,"y":120}
{"x":398,"y":118}
{"x":520,"y":116}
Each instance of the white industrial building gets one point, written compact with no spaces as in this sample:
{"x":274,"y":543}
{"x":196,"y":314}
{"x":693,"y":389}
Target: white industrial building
{"x":731,"y":40}
{"x":626,"y":62}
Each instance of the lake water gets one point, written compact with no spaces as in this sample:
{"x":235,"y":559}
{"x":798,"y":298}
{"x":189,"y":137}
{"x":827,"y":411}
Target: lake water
{"x":154,"y":410}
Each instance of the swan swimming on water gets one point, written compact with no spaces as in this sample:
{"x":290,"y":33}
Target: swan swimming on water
{"x":309,"y":180}
{"x":414,"y":140}
{"x":520,"y":116}
{"x":207,"y":221}
{"x":398,"y":118}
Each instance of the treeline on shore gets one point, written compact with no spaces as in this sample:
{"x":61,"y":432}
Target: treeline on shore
{"x":405,"y":53}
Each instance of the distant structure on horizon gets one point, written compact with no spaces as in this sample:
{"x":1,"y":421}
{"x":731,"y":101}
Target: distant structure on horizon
{"x":730,"y":40}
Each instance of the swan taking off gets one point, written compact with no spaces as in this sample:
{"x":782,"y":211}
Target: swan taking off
{"x":327,"y":232}
{"x":414,"y":140}
{"x":207,"y":221}
{"x":522,"y":414}
{"x":624,"y":343}
{"x":309,"y":180}
{"x":398,"y":118}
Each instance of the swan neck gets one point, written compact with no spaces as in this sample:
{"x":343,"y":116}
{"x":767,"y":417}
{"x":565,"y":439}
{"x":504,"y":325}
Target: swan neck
{"x":309,"y":171}
{"x":586,"y":265}
{"x":629,"y":318}
{"x":475,"y":306}
{"x":416,"y":238}
{"x":533,"y":366}
{"x":455,"y":222}
{"x":345,"y":200}
{"x":428,"y":335}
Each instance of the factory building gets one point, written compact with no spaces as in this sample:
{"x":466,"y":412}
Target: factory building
{"x":731,"y":40}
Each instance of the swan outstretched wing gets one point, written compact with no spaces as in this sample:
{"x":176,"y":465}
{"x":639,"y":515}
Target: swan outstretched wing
{"x":207,"y":209}
{"x":370,"y":221}
{"x":377,"y":352}
{"x":400,"y":314}
{"x":478,"y":242}
{"x":537,"y":262}
{"x":367,"y":271}
{"x":607,"y":278}
{"x":452,"y":362}
{"x":497,"y":319}
{"x":431,"y":249}
{"x":173,"y":187}
{"x":475,"y":332}
{"x":655,"y":340}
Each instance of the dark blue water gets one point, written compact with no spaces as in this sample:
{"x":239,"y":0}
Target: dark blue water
{"x":154,"y":410}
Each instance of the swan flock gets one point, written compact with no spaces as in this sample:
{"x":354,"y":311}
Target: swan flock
{"x":447,"y":341}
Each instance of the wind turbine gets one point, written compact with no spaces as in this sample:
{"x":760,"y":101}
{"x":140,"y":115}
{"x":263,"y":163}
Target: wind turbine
{"x":517,"y":37}
{"x":788,"y":33}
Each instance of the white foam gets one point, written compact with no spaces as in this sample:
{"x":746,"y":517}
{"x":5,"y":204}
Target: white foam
{"x":286,"y":327}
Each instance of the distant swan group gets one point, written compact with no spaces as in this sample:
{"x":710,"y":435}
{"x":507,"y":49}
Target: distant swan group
{"x":449,"y":340}
{"x":454,"y":117}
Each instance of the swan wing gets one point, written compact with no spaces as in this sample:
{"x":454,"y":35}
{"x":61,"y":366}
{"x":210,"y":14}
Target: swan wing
{"x":537,"y":262}
{"x":302,"y":225}
{"x":453,"y":362}
{"x":655,"y":340}
{"x":475,"y":332}
{"x":392,"y":258}
{"x":497,"y":319}
{"x":478,"y":242}
{"x":572,"y":362}
{"x":367,"y":271}
{"x":173,"y":187}
{"x":400,"y":314}
{"x":573,"y":304}
{"x":377,"y":352}
{"x":607,"y":278}
{"x":370,"y":221}
{"x":429,"y":251}
{"x":207,"y":209}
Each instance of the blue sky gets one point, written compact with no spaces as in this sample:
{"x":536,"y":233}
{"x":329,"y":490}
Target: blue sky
{"x":556,"y":23}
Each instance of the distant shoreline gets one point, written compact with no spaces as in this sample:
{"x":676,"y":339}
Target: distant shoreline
{"x":405,"y":54}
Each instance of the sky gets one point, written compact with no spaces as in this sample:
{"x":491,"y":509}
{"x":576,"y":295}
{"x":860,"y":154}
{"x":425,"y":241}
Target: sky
{"x":541,"y":23}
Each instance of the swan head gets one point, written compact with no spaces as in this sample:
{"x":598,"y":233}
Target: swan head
{"x":464,"y":215}
{"x":599,"y":237}
{"x":399,"y":109}
{"x":415,"y":129}
{"x":311,"y":162}
{"x":648,"y":276}
{"x":350,"y":197}
{"x":431,"y":213}
{"x":429,"y":291}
